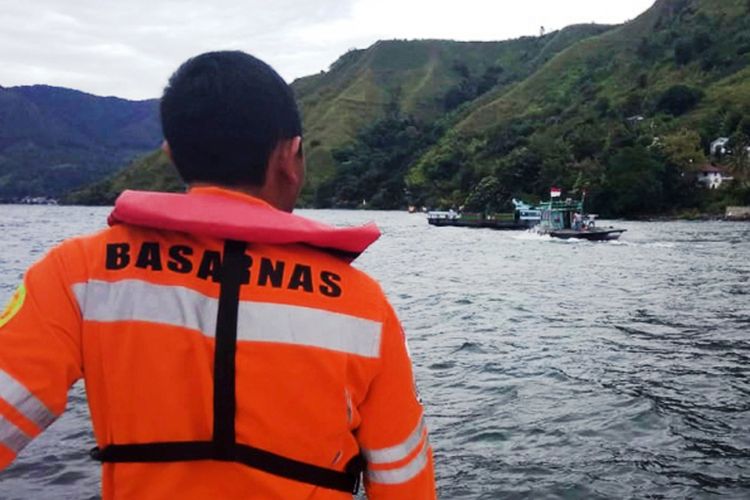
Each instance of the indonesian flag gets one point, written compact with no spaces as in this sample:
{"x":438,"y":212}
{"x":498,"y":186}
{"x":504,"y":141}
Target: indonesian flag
{"x":555,"y":192}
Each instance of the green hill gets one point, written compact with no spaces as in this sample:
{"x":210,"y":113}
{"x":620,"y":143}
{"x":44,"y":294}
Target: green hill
{"x":659,"y":88}
{"x":424,"y":79}
{"x":693,"y":42}
{"x":624,"y":113}
{"x":54,"y":139}
{"x":152,"y":172}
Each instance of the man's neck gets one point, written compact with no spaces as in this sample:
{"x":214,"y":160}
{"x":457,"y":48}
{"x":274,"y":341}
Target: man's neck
{"x":260,"y":192}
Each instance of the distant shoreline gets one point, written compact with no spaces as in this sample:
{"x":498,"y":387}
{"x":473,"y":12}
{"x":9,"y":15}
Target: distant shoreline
{"x":695,"y":217}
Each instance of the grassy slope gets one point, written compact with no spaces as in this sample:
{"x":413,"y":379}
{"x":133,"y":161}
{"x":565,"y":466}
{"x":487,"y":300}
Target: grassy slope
{"x":151,"y":172}
{"x":55,"y":139}
{"x":617,"y":66}
{"x":412,"y":76}
{"x":563,"y":92}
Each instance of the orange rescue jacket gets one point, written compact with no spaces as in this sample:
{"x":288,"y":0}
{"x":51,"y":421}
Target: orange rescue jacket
{"x":317,"y":375}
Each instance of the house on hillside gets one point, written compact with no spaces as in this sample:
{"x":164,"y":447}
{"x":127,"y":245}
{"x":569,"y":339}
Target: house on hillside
{"x":720,"y":146}
{"x":634,"y":121}
{"x":712,"y":176}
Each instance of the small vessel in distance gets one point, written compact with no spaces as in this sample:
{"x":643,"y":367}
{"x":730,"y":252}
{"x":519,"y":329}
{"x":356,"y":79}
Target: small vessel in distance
{"x":524,"y":216}
{"x":566,"y":220}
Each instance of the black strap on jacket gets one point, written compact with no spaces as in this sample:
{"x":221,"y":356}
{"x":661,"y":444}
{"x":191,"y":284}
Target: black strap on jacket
{"x":224,"y":446}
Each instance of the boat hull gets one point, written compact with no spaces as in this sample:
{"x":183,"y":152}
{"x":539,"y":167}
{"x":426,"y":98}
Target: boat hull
{"x":589,"y":235}
{"x":488,"y":224}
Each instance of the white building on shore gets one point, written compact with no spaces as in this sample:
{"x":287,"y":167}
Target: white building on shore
{"x":712,"y":176}
{"x":720,"y":146}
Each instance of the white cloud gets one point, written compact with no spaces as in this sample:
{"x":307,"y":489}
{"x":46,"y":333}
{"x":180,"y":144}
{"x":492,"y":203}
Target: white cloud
{"x":468,"y":19}
{"x":130,"y":48}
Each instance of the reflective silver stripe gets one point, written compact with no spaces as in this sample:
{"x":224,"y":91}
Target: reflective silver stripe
{"x":267,"y":322}
{"x":398,"y":452}
{"x":402,"y":474}
{"x":135,"y":300}
{"x":20,"y":398}
{"x":12,"y":437}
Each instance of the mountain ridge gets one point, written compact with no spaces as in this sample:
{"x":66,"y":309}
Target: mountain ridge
{"x":411,"y":78}
{"x":692,"y":50}
{"x":623,"y":112}
{"x":53,"y":139}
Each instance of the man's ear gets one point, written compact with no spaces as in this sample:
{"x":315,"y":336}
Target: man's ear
{"x":297,"y":145}
{"x":290,"y":156}
{"x":167,"y":150}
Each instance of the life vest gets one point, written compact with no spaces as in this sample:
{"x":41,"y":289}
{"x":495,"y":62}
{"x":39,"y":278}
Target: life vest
{"x":237,"y":222}
{"x":158,"y":316}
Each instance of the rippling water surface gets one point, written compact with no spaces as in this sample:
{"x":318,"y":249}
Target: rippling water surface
{"x":549,"y":369}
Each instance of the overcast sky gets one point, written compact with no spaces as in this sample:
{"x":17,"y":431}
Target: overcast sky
{"x":128,"y":48}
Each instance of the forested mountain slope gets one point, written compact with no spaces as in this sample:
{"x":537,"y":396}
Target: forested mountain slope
{"x":627,"y":115}
{"x":424,"y":80}
{"x":421,"y":79}
{"x":54,"y":139}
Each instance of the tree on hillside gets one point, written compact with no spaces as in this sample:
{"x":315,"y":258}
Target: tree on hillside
{"x":487,"y":197}
{"x":620,"y":136}
{"x":744,"y":127}
{"x":373,"y":167}
{"x":634,"y":183}
{"x":632,"y":105}
{"x":556,"y":159}
{"x":520,"y":170}
{"x":590,"y":176}
{"x":647,"y":48}
{"x":586,"y":141}
{"x":682,"y":155}
{"x":731,"y":121}
{"x":603,"y":106}
{"x":447,"y":173}
{"x":470,"y":87}
{"x":509,"y":136}
{"x":739,"y":161}
{"x":740,"y":166}
{"x":683,"y":52}
{"x":679,"y":99}
{"x":683,"y":149}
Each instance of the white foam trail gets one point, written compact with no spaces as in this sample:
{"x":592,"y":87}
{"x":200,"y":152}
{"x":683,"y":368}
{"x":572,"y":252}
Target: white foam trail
{"x":531,"y":235}
{"x":659,"y":245}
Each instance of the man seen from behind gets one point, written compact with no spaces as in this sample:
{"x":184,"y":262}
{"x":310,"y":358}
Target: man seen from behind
{"x":228,"y":347}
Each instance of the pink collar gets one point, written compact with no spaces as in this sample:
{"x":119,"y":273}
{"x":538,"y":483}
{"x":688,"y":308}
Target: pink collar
{"x":223,"y":214}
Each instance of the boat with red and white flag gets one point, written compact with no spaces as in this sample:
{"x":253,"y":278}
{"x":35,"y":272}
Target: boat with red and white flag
{"x":566,"y":219}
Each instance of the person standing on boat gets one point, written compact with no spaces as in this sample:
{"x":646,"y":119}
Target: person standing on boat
{"x":577,"y":221}
{"x":229,"y":349}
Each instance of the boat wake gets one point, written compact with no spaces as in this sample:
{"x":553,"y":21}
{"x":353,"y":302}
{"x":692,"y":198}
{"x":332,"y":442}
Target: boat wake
{"x":656,"y":244}
{"x":532,"y":235}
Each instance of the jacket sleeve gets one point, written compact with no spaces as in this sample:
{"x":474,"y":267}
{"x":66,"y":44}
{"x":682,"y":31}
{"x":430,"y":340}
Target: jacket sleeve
{"x":392,"y":433}
{"x":40,"y":355}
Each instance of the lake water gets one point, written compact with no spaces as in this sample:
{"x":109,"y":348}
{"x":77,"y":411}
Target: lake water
{"x":549,"y":369}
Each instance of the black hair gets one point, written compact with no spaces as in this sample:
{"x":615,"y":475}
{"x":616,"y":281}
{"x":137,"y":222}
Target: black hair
{"x":223,"y":113}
